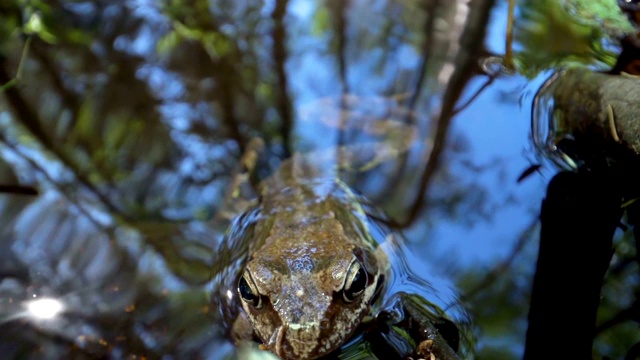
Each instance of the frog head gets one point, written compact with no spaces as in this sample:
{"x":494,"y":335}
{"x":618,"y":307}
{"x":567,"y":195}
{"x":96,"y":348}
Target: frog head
{"x":308,"y":300}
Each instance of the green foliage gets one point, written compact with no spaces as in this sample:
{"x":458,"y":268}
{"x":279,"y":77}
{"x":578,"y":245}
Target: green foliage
{"x":216,"y":44}
{"x":321,"y":21}
{"x":537,"y":27}
{"x":499,"y":301}
{"x":35,"y":26}
{"x":618,"y":330}
{"x":602,"y":13}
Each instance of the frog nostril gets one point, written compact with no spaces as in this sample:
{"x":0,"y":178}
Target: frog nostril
{"x":325,"y":324}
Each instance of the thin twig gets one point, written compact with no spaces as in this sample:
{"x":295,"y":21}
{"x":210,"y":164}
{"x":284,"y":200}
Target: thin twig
{"x":508,"y":56}
{"x":25,"y":52}
{"x":18,"y":189}
{"x":612,"y":123}
{"x":475,"y":95}
{"x":279,"y":51}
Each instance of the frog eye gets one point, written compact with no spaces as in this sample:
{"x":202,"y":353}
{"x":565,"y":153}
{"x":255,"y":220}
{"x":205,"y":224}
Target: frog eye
{"x":355,"y":282}
{"x":249,"y":291}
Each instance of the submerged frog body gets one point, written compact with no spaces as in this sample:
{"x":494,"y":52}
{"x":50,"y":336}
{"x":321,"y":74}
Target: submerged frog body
{"x":313,"y":271}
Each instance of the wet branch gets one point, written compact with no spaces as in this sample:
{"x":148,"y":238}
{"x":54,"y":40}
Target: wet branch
{"x":579,"y":217}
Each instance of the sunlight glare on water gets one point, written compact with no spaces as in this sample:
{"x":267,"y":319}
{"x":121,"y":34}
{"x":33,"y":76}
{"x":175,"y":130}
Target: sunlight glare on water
{"x":44,"y":309}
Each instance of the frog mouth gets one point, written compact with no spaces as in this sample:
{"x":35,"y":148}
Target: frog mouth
{"x":283,"y":343}
{"x":276,"y":342}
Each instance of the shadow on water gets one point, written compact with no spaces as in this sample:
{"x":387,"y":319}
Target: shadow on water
{"x":130,"y":118}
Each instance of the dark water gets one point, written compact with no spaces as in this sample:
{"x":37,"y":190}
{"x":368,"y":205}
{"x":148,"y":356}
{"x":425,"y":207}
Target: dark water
{"x":129,"y":118}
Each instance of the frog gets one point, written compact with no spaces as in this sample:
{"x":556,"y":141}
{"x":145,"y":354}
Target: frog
{"x":311,"y":274}
{"x":303,"y":298}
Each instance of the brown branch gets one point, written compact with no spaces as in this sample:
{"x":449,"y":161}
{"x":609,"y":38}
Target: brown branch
{"x":508,"y":56}
{"x":226,"y":92}
{"x":339,"y":9}
{"x":427,"y":49}
{"x":283,"y":103}
{"x":579,"y":216}
{"x":339,"y":17}
{"x":470,"y":45}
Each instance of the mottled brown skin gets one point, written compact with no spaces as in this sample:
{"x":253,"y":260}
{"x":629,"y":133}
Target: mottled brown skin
{"x":310,"y":234}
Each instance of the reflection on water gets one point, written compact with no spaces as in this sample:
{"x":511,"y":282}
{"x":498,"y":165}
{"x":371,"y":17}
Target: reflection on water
{"x":45,"y":309}
{"x":130,"y":116}
{"x":546,"y":129}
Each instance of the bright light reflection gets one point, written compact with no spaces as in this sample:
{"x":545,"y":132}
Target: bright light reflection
{"x":44,"y":309}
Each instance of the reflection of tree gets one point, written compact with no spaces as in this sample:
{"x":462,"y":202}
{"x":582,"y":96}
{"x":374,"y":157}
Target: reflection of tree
{"x":79,"y":134}
{"x":464,"y":66}
{"x":280,"y":56}
{"x":32,"y":122}
{"x":130,"y":120}
{"x":538,"y":24}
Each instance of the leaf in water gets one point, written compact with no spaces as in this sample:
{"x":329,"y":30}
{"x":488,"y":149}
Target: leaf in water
{"x":36,"y":26}
{"x":216,"y":44}
{"x":528,"y":171}
{"x":321,"y":21}
{"x":85,"y":125}
{"x":537,"y":30}
{"x":168,"y":42}
{"x":8,"y":85}
{"x":117,"y":133}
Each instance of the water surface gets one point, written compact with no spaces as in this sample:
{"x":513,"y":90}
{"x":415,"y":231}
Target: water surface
{"x":129,"y":118}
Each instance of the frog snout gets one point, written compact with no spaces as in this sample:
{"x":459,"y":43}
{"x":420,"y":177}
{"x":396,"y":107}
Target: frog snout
{"x":297,"y":341}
